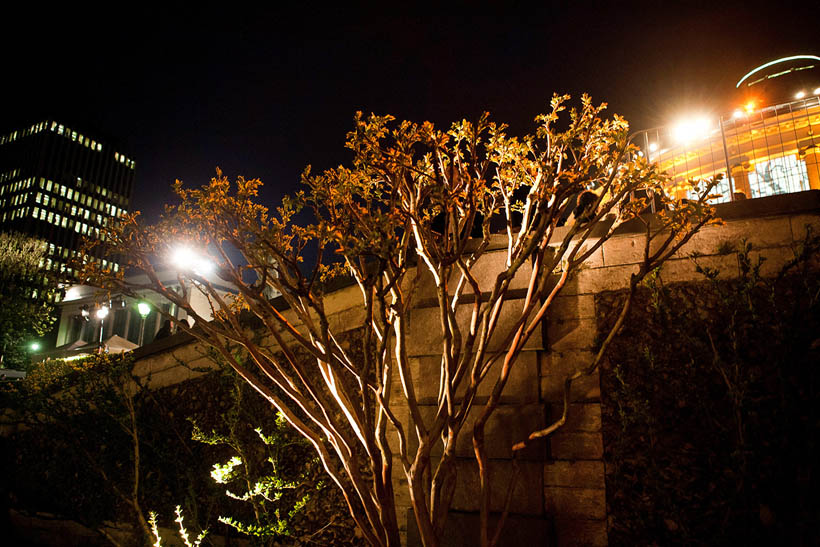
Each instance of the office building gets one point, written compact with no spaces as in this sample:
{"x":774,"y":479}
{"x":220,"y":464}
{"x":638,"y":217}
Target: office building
{"x":60,"y":185}
{"x":768,"y":145}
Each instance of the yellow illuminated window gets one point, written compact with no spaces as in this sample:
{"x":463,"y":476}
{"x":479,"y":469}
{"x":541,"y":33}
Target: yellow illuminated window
{"x":48,"y":185}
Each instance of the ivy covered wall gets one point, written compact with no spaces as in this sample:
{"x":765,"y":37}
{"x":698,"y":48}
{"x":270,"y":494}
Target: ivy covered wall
{"x":709,"y":408}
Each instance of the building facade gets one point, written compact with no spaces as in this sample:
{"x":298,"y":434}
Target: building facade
{"x":768,"y":145}
{"x":60,"y":185}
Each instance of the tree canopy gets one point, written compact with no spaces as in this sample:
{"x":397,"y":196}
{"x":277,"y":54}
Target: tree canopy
{"x":27,"y":312}
{"x":409,"y":220}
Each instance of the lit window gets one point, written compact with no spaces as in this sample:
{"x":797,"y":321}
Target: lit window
{"x":69,"y":193}
{"x":60,"y":129}
{"x":42,"y":214}
{"x":48,"y":185}
{"x":35,"y":212}
{"x":77,"y":227}
{"x":62,"y":190}
{"x":50,"y":217}
{"x":64,"y":223}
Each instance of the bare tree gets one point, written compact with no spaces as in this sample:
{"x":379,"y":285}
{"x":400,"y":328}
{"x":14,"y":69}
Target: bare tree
{"x":417,"y":203}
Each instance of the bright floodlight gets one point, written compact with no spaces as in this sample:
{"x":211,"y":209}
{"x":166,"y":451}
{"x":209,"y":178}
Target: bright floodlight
{"x":653,"y":146}
{"x":183,"y":258}
{"x":750,"y":107}
{"x":689,"y":130}
{"x":737,"y":114}
{"x":799,"y":94}
{"x":102,"y":313}
{"x":144,"y":309}
{"x":186,"y":259}
{"x":35,"y":346}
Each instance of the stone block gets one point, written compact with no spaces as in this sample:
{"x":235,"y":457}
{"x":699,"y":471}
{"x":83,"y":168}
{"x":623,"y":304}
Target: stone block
{"x":573,"y":307}
{"x":684,"y":269}
{"x":575,"y":445}
{"x":564,"y":334}
{"x":575,"y":474}
{"x":485,"y":270}
{"x":773,"y":260}
{"x":623,"y":249}
{"x":580,"y":533}
{"x":507,"y":426}
{"x":575,"y":503}
{"x":581,"y":417}
{"x":424,"y":332}
{"x":761,"y":232}
{"x":800,"y":223}
{"x":593,"y":280}
{"x":463,"y":530}
{"x":557,"y":365}
{"x":527,"y":497}
{"x":522,"y":384}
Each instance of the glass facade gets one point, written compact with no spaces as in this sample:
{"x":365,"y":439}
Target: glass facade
{"x":763,"y":152}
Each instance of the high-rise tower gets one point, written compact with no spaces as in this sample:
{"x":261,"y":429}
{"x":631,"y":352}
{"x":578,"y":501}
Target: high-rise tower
{"x":58,"y":184}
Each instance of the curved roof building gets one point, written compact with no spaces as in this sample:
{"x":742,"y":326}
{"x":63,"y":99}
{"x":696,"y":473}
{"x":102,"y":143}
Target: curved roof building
{"x":770,"y":144}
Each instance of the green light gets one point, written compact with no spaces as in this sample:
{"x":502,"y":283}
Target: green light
{"x":144,"y":309}
{"x":783,"y":60}
{"x":34,"y":346}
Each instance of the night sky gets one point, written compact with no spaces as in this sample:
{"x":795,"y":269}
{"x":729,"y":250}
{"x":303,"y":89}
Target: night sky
{"x":263,"y":94}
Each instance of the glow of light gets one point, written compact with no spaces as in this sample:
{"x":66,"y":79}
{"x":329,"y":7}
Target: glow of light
{"x":653,"y":147}
{"x":817,"y":91}
{"x":776,"y":61}
{"x":689,"y":130}
{"x":737,"y":114}
{"x":35,"y":346}
{"x":144,"y":309}
{"x":72,"y":294}
{"x":750,"y":107}
{"x":799,"y":94}
{"x":185,"y":259}
{"x":102,"y":313}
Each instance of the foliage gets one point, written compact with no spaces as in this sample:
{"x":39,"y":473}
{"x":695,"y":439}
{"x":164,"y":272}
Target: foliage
{"x":23,"y":316}
{"x":281,"y":493}
{"x":409,"y":221}
{"x":709,"y":417}
{"x":182,"y":531}
{"x":90,"y":409}
{"x":97,"y":446}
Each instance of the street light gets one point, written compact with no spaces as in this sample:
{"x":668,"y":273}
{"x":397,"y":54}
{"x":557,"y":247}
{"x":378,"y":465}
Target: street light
{"x":35,"y":346}
{"x":689,"y":130}
{"x":185,"y":259}
{"x":101,"y":314}
{"x":144,"y":309}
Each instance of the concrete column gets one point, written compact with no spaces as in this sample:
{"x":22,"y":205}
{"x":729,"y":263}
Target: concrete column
{"x":811,"y":155}
{"x":740,"y":177}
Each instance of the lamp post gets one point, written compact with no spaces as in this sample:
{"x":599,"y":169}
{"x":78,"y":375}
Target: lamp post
{"x":144,"y":309}
{"x":101,"y":314}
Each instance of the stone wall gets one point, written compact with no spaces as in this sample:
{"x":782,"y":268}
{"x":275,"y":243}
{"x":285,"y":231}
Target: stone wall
{"x":559,"y":497}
